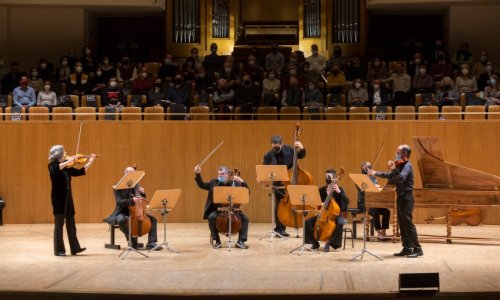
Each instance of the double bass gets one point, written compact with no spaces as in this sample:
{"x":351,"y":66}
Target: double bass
{"x":222,"y":223}
{"x":286,"y":211}
{"x":325,"y":223}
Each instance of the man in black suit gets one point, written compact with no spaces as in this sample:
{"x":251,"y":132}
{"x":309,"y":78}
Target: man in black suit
{"x":124,"y":199}
{"x":282,"y":155}
{"x":210,"y":211}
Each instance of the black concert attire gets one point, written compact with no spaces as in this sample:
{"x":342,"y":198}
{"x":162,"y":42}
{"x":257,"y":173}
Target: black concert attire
{"x":336,"y":239}
{"x":63,"y":207}
{"x":402,"y":177}
{"x":376,"y":213}
{"x":284,"y":157}
{"x":124,"y":199}
{"x":211,"y":212}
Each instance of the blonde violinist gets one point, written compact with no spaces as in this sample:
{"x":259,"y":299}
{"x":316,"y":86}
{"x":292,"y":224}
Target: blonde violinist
{"x":211,"y":213}
{"x":61,"y":169}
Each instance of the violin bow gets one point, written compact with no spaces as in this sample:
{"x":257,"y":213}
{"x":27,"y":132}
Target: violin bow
{"x":210,"y":154}
{"x":79,"y":135}
{"x":378,"y":154}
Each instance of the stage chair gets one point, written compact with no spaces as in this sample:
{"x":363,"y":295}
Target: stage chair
{"x":290,"y":113}
{"x":336,"y":113}
{"x":38,"y":113}
{"x":154,"y":110}
{"x":203,"y":112}
{"x":312,"y":113}
{"x":475,"y":109}
{"x":359,"y":113}
{"x":494,"y":112}
{"x":97,"y":98}
{"x":131,"y":114}
{"x":85,"y":110}
{"x":267,"y":113}
{"x":451,"y":112}
{"x":8,"y":115}
{"x":67,"y":111}
{"x":428,"y":109}
{"x":346,"y":230}
{"x":405,"y":113}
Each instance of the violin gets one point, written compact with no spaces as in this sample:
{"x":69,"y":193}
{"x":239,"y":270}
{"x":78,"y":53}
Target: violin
{"x":81,"y":160}
{"x":222,"y":222}
{"x":397,"y":163}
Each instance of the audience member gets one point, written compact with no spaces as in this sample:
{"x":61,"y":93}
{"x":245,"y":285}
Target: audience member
{"x":89,"y":61}
{"x":275,"y":60}
{"x":401,"y":85}
{"x":34,"y":81}
{"x":313,"y":97}
{"x":462,"y":56}
{"x":492,"y":91}
{"x":423,"y":83}
{"x":377,"y":69}
{"x":356,"y":70}
{"x":45,"y":69}
{"x":126,"y":73}
{"x":213,"y":63}
{"x":24,"y":95}
{"x":113,"y":96}
{"x":256,"y":72}
{"x":377,"y":95}
{"x":317,"y":62}
{"x":357,"y":95}
{"x":271,"y":88}
{"x":157,"y":93}
{"x":441,"y":68}
{"x":143,"y":83}
{"x":480,"y":67}
{"x":446,"y":93}
{"x":482,"y":82}
{"x":98,"y":82}
{"x":107,"y":68}
{"x":78,"y":82}
{"x":247,"y":97}
{"x":465,"y":82}
{"x":47,"y":97}
{"x":293,"y":95}
{"x":414,"y":65}
{"x":63,"y":71}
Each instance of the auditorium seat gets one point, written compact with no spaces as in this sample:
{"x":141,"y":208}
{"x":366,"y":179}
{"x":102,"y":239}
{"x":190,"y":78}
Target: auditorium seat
{"x":451,"y":112}
{"x":62,"y":114}
{"x":89,"y":113}
{"x":8,"y":115}
{"x":359,"y":113}
{"x":38,"y":113}
{"x":131,"y":114}
{"x":381,"y":115}
{"x":336,"y":113}
{"x":97,"y":98}
{"x":428,"y":112}
{"x":144,"y":99}
{"x":329,"y":100}
{"x":313,"y":113}
{"x":474,"y":112}
{"x":108,"y":116}
{"x":290,"y":113}
{"x":199,"y":113}
{"x":156,"y":110}
{"x":418,"y":100}
{"x":494,"y":112}
{"x":404,"y":113}
{"x":76,"y":100}
{"x":267,"y":113}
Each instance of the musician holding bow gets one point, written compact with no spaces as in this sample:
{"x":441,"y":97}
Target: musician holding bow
{"x":211,"y":212}
{"x":340,"y":197}
{"x":401,"y":173}
{"x":125,"y":198}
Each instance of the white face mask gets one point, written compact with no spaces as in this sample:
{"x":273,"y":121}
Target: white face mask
{"x":418,"y":60}
{"x":144,"y":74}
{"x":422,"y":71}
{"x":88,"y":52}
{"x":112,"y":83}
{"x":64,"y":63}
{"x":43,"y":66}
{"x":376,"y":86}
{"x":357,"y":85}
{"x":98,"y":73}
{"x":465,"y":71}
{"x":271,"y":76}
{"x":79,"y":69}
{"x":46,"y":87}
{"x":228,"y":70}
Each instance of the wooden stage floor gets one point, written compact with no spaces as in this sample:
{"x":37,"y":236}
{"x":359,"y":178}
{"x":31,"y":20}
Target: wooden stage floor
{"x":29,"y":270}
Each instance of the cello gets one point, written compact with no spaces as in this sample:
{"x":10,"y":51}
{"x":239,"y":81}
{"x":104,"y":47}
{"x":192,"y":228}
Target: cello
{"x":222,"y":221}
{"x":286,"y":211}
{"x":140,"y":221}
{"x":325,"y":223}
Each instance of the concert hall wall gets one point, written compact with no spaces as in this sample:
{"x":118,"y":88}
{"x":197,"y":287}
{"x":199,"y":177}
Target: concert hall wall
{"x":168,"y":151}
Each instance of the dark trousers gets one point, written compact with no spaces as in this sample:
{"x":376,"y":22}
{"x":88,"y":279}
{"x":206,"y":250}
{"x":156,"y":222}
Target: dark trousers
{"x":335,"y":240}
{"x":409,"y":235}
{"x":74,"y":245}
{"x":121,"y":220}
{"x":212,"y":219}
{"x":278,"y":197}
{"x":402,"y":98}
{"x":376,"y":213}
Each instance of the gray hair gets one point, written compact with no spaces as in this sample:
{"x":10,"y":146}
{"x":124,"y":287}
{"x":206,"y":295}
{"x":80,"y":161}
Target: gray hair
{"x":224,"y":169}
{"x":406,"y":149}
{"x":128,"y":170}
{"x":56,"y":153}
{"x":276,"y":139}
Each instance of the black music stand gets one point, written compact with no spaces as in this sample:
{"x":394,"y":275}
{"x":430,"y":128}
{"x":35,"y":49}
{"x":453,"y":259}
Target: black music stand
{"x":230,"y":195}
{"x":164,"y":201}
{"x":129,"y":181}
{"x":270,"y":174}
{"x":365,"y":184}
{"x":304,"y":195}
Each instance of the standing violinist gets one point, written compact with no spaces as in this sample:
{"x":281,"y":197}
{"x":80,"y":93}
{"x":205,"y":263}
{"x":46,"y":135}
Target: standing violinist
{"x":211,"y":212}
{"x":125,"y":198}
{"x":401,"y":173}
{"x":282,"y":155}
{"x":62,"y":198}
{"x":342,"y":201}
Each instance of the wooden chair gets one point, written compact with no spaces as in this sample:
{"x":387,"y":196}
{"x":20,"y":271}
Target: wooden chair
{"x":336,"y":113}
{"x":62,"y":114}
{"x":8,"y":114}
{"x":89,"y":113}
{"x":144,"y":100}
{"x":359,"y":113}
{"x":108,"y":117}
{"x":450,"y":112}
{"x":494,"y":112}
{"x":97,"y":98}
{"x":153,"y":68}
{"x":343,"y":100}
{"x":290,"y":113}
{"x":158,"y":112}
{"x":404,"y":113}
{"x":474,"y":112}
{"x":199,"y":113}
{"x":312,"y":113}
{"x":428,"y":112}
{"x":131,"y":114}
{"x":418,"y":100}
{"x":76,"y":100}
{"x":380,"y":116}
{"x":267,"y":113}
{"x":38,"y":113}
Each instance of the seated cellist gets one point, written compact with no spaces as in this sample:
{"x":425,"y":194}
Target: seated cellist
{"x":124,"y":199}
{"x":341,"y":199}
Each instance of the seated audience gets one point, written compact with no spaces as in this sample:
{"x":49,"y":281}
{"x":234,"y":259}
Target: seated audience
{"x":446,"y":93}
{"x":157,"y":93}
{"x":271,"y":88}
{"x":441,"y":68}
{"x":78,"y":82}
{"x":47,"y":97}
{"x":423,"y":83}
{"x":485,"y":77}
{"x":377,"y":95}
{"x":357,"y":95}
{"x":313,"y":97}
{"x":377,"y":69}
{"x":492,"y":91}
{"x":293,"y":95}
{"x":465,"y":82}
{"x":247,"y":96}
{"x":35,"y":81}
{"x":143,"y":83}
{"x":113,"y":96}
{"x":24,"y":95}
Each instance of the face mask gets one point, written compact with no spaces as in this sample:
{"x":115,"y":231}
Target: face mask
{"x":292,"y":72}
{"x":376,"y":86}
{"x":112,"y":83}
{"x":376,"y":64}
{"x":202,"y":75}
{"x":465,"y":71}
{"x":213,"y":50}
{"x":315,"y":52}
{"x":489,"y":68}
{"x":98,"y":73}
{"x":357,"y":85}
{"x":24,"y":82}
{"x":88,"y":52}
{"x":247,"y":82}
{"x":311,"y":86}
{"x":422,"y":71}
{"x":493,"y":82}
{"x":276,"y":149}
{"x":271,"y":76}
{"x":43,"y":66}
{"x":221,"y":179}
{"x":144,"y":75}
{"x":168,"y":61}
{"x":398,"y":157}
{"x":46,"y":87}
{"x":228,"y":70}
{"x":78,"y":69}
{"x":418,"y":60}
{"x":483,"y":58}
{"x":364,"y":171}
{"x":105,"y":61}
{"x":251,"y":63}
{"x":328,"y":180}
{"x":64,"y":63}
{"x":34,"y":74}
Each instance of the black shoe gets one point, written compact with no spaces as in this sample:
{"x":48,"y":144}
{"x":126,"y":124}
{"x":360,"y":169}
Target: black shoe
{"x":416,"y":253}
{"x":78,"y":251}
{"x":217,"y":245}
{"x":403,"y":252}
{"x":153,"y":245}
{"x":315,"y":246}
{"x":282,"y":233}
{"x":60,"y":254}
{"x":327,"y":248}
{"x":241,"y":245}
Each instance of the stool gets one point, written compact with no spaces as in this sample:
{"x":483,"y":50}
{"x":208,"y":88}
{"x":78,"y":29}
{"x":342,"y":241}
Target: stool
{"x":112,"y":244}
{"x":354,"y":212}
{"x":345,"y":231}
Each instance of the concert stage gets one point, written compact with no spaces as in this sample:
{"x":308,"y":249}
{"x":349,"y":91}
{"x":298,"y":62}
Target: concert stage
{"x":29,"y":270}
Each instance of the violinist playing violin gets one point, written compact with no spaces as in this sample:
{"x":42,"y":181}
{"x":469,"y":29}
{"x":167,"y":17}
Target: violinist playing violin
{"x":62,"y":198}
{"x":342,"y":201}
{"x":211,"y":212}
{"x":125,"y":198}
{"x":401,"y":173}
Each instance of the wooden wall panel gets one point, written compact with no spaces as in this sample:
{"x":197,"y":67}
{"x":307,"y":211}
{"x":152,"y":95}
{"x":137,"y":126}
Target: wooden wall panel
{"x":168,"y":152}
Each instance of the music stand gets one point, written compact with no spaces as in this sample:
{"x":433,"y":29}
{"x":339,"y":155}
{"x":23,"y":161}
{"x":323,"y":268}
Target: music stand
{"x":365,"y":184}
{"x":304,"y":195}
{"x":230,"y":195}
{"x":129,"y":181}
{"x":270,"y":174}
{"x":164,"y":201}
